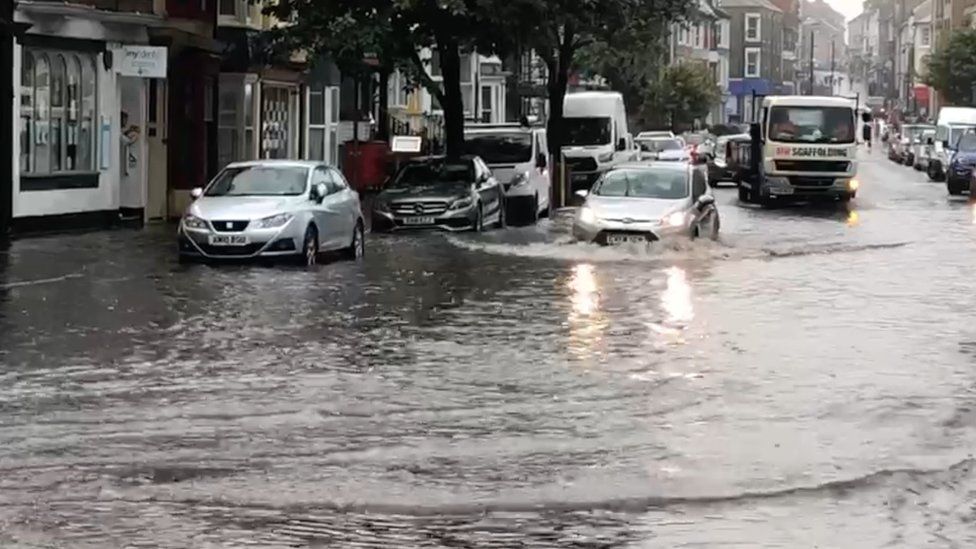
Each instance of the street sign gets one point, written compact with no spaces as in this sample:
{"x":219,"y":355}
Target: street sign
{"x":407,"y":144}
{"x":142,"y":61}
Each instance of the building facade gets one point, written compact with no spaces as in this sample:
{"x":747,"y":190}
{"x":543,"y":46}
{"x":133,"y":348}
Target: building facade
{"x":704,"y":39}
{"x":755,"y":55}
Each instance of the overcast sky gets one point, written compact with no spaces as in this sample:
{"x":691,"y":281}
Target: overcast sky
{"x":850,"y":8}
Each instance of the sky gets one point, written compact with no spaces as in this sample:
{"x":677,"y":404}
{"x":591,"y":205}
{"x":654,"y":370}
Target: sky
{"x":850,"y":8}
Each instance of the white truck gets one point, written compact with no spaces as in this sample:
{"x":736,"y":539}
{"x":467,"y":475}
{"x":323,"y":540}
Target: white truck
{"x":802,"y":147}
{"x":952,"y":122}
{"x":595,"y":136}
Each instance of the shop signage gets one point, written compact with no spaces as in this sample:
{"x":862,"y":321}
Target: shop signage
{"x":142,"y":61}
{"x":407,"y":144}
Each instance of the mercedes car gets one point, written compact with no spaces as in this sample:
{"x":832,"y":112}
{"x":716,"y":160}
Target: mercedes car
{"x":639,"y":203}
{"x":273,"y":209}
{"x":441,"y":193}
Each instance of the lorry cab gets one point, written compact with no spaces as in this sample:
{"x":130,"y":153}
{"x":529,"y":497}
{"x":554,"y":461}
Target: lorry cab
{"x":807,"y":150}
{"x":518,"y":156}
{"x":595,"y":135}
{"x":951,"y":124}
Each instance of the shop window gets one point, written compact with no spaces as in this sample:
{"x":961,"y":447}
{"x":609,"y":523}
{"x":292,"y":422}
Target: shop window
{"x":57,"y":112}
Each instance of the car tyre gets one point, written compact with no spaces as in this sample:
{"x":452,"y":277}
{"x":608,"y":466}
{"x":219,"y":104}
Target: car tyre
{"x":933,"y":174}
{"x":743,"y":194}
{"x":357,"y":248}
{"x":310,"y":247}
{"x":502,"y":218}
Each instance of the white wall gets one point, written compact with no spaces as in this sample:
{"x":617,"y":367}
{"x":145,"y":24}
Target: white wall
{"x":106,"y":196}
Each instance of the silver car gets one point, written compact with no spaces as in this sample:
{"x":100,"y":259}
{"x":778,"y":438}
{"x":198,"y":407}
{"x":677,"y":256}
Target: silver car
{"x":645,"y":203}
{"x":671,"y":149}
{"x":273,"y":208}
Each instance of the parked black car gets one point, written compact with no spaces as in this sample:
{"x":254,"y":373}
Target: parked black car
{"x":719,"y":169}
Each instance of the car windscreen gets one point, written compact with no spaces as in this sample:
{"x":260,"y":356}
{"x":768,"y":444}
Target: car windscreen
{"x":967,"y":143}
{"x":955,"y":132}
{"x":694,"y":139}
{"x":500,"y":148}
{"x":643,"y":183}
{"x":259,"y":181}
{"x":811,"y":124}
{"x":432,"y":173}
{"x":658,"y":145}
{"x":580,"y":131}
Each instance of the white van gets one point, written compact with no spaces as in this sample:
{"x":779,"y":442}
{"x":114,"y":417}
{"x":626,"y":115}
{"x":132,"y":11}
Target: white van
{"x":952,"y":122}
{"x":595,"y":136}
{"x":518,"y":156}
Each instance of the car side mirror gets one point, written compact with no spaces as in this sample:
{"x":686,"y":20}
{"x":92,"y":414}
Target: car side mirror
{"x":622,"y":144}
{"x":541,"y":161}
{"x":317,"y":193}
{"x":582,"y":193}
{"x":196,"y":193}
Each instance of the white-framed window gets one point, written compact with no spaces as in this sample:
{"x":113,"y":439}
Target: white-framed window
{"x":279,"y":131}
{"x":236,"y":11}
{"x":57,"y":112}
{"x":753,"y":29}
{"x":722,"y":34}
{"x":323,"y":121}
{"x":236,"y":118}
{"x":753,"y":62}
{"x":399,"y":90}
{"x":926,"y":37}
{"x":698,"y":35}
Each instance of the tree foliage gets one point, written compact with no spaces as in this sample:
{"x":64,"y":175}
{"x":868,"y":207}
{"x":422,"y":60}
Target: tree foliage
{"x":684,"y":92}
{"x":952,"y":69}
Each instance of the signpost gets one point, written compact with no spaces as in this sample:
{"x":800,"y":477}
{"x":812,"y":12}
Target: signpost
{"x":142,"y":61}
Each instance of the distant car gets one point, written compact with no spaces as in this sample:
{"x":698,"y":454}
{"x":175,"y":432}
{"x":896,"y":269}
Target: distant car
{"x":647,"y":202}
{"x":924,"y":149}
{"x":666,"y":149}
{"x":903,"y":145}
{"x":718,"y":165}
{"x":701,"y":146}
{"x":437,"y":192}
{"x":519,"y":159}
{"x":960,"y":171}
{"x":915,"y":142}
{"x":654,"y":134}
{"x":273,"y":208}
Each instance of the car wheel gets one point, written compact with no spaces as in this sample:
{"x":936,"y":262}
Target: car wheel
{"x":501,"y":223}
{"x":357,"y":248}
{"x":310,"y":247}
{"x":743,"y":194}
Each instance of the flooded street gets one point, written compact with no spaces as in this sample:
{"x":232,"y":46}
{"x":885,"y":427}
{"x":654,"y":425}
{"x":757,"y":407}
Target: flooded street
{"x":808,"y":381}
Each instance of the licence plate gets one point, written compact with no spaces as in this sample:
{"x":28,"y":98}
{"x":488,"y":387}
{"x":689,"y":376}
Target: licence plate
{"x":782,"y":191}
{"x":580,"y":177}
{"x":418,"y":220}
{"x":228,"y":240}
{"x":615,"y":239}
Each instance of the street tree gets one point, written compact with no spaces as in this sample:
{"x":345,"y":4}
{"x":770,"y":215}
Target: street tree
{"x":558,"y":30}
{"x":684,"y":92}
{"x":391,"y":33}
{"x":952,"y":69}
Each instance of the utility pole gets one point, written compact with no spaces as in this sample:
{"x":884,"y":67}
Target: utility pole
{"x":6,"y":115}
{"x":811,"y":62}
{"x":832,"y":42}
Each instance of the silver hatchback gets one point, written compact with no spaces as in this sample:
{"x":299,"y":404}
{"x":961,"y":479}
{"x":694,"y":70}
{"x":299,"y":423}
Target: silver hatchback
{"x":273,"y":208}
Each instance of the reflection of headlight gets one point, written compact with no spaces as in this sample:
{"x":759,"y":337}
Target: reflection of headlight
{"x":587,"y":215}
{"x":274,"y":221}
{"x":461,"y":203}
{"x":605,"y":157}
{"x":194,"y":222}
{"x":520,"y":179}
{"x":676,"y":219}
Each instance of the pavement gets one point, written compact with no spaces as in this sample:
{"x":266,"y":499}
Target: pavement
{"x":808,"y":381}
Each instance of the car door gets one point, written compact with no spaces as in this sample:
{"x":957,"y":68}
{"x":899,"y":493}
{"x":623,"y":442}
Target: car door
{"x":349,"y":204}
{"x":328,"y":216}
{"x":488,"y":188}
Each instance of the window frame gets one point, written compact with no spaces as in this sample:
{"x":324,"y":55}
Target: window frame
{"x":745,"y":62}
{"x":757,"y":17}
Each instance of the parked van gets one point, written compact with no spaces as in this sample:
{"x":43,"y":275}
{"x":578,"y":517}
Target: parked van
{"x":518,"y":156}
{"x":952,"y":122}
{"x":595,"y":135}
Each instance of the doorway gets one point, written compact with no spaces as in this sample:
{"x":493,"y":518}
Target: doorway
{"x":131,"y":166}
{"x":157,"y":204}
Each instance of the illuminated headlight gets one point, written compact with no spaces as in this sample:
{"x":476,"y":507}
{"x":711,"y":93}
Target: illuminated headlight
{"x":676,"y":219}
{"x":520,"y":179}
{"x":605,"y":157}
{"x":274,"y":221}
{"x":193,"y":222}
{"x":853,"y":184}
{"x":461,"y":204}
{"x":587,"y":215}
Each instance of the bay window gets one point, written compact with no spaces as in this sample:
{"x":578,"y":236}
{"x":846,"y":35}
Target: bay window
{"x":57,"y":112}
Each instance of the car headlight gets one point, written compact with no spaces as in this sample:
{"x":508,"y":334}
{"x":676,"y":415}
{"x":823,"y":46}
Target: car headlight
{"x":462,"y":203}
{"x":587,"y":215}
{"x":274,"y":221}
{"x":520,"y":179}
{"x":382,"y":206}
{"x":605,"y":157}
{"x":676,"y":219}
{"x":193,"y":222}
{"x":853,"y":184}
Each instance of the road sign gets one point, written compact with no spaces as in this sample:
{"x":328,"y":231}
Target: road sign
{"x":407,"y":144}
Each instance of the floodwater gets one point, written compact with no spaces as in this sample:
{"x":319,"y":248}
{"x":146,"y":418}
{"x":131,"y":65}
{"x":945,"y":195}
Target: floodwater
{"x":808,"y":381}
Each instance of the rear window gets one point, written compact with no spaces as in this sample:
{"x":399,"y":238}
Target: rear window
{"x":500,"y":148}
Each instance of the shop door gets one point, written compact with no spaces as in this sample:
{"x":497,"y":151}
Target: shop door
{"x":157,"y":205}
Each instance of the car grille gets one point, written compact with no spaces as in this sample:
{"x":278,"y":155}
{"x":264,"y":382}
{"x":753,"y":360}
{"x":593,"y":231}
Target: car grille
{"x":229,"y":226}
{"x":249,"y":249}
{"x":418,"y":208}
{"x":581,"y":164}
{"x":812,"y":181}
{"x":812,"y":165}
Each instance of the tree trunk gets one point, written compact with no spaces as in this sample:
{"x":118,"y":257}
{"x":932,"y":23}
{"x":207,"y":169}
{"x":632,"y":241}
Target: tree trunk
{"x":383,"y":114}
{"x":453,"y":104}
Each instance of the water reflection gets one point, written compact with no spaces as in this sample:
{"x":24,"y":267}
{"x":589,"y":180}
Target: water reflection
{"x":853,"y":218}
{"x":586,"y":322}
{"x":676,"y":298}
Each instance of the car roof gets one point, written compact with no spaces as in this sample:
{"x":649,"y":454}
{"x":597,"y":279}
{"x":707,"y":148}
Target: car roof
{"x":807,"y":101}
{"x":501,"y":128}
{"x":680,"y":166}
{"x":278,"y":163}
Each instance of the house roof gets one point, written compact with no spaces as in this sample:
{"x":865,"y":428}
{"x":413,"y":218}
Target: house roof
{"x":761,"y":4}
